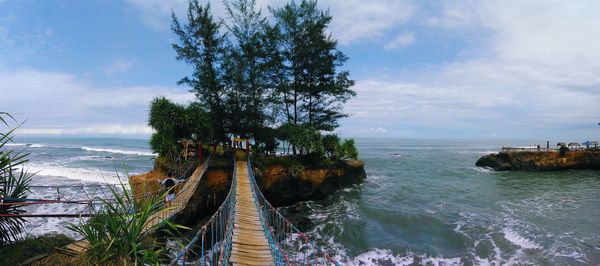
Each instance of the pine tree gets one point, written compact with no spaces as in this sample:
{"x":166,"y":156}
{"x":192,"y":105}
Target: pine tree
{"x":312,"y":88}
{"x":202,"y":46}
{"x":249,"y":68}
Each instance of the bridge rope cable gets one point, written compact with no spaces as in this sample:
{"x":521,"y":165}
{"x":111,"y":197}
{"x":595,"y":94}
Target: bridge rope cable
{"x":280,"y":233}
{"x":93,"y":196}
{"x":215,"y":235}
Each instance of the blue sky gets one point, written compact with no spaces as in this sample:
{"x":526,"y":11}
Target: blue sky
{"x":431,"y":69}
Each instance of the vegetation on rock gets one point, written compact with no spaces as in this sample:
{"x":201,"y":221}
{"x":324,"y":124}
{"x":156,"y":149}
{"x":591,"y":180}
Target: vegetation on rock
{"x":273,"y":81}
{"x":541,"y":161}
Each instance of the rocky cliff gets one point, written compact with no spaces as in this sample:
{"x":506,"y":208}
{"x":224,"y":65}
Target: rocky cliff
{"x":540,"y":161}
{"x":280,"y":185}
{"x":283,"y":187}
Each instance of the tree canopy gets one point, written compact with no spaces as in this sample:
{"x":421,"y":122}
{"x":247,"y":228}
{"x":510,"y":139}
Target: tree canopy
{"x":258,"y":77}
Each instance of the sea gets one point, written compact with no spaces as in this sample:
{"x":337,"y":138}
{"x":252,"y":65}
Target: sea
{"x":424,"y":202}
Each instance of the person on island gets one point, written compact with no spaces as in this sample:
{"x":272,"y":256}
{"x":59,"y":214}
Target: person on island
{"x":169,"y":183}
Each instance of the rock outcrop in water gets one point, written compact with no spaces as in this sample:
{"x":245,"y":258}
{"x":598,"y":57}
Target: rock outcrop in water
{"x":280,"y":185}
{"x":540,"y":160}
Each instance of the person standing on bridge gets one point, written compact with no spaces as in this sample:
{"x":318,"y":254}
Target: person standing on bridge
{"x":169,"y":183}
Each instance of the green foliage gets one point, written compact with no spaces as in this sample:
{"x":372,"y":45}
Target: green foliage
{"x":247,"y":69}
{"x":30,"y":247}
{"x":168,"y":119}
{"x":263,"y":74}
{"x":201,"y":45}
{"x":115,"y":233}
{"x":331,"y":144}
{"x":312,"y":88}
{"x":348,"y":150}
{"x":174,"y":122}
{"x":562,"y":151}
{"x":13,"y":185}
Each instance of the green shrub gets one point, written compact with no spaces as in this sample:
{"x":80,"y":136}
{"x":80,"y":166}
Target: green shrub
{"x":348,"y":150}
{"x":13,"y":184}
{"x":330,"y":144}
{"x":30,"y":247}
{"x":562,"y":151}
{"x":116,"y":233}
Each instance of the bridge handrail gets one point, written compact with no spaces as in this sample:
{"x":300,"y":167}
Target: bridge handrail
{"x":218,"y":219}
{"x":275,"y":246}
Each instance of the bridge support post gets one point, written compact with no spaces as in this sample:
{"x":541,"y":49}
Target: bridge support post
{"x":199,"y":150}
{"x":234,"y":147}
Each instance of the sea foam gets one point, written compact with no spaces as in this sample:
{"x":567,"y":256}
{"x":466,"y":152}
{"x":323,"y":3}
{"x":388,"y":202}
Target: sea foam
{"x":142,"y":153}
{"x":83,"y":174}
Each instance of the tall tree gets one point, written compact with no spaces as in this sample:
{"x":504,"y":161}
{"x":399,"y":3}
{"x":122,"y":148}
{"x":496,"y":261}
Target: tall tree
{"x":202,"y":45}
{"x":312,"y":87}
{"x":249,"y":68}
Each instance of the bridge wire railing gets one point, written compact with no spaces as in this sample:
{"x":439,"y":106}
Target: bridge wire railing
{"x":92,"y":196}
{"x":215,"y":237}
{"x":289,"y":246}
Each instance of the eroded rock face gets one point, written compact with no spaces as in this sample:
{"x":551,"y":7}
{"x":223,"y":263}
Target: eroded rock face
{"x":541,"y":161}
{"x":281,"y":187}
{"x":209,"y":195}
{"x":276,"y":183}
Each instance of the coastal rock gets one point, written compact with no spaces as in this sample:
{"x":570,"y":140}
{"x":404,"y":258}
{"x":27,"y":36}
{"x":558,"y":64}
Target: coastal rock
{"x":275,"y":181}
{"x":211,"y":192}
{"x":281,"y":187}
{"x":540,"y":160}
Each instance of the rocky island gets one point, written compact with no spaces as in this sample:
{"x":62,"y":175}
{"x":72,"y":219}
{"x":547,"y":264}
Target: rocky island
{"x":282,"y":180}
{"x":541,"y":160}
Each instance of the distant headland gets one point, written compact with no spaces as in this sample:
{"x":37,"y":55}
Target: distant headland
{"x":535,"y":158}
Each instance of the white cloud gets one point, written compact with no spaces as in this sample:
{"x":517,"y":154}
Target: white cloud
{"x":455,"y":14}
{"x":403,"y":40}
{"x":538,"y":69}
{"x":376,"y":130}
{"x":118,"y":66}
{"x":102,"y":129}
{"x":357,"y":20}
{"x":55,"y":103}
{"x":353,"y":20}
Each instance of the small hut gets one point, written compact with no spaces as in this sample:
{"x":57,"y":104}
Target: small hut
{"x":574,"y":144}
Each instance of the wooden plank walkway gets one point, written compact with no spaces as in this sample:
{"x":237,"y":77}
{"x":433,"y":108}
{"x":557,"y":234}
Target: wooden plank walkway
{"x":181,"y":200}
{"x":249,"y":244}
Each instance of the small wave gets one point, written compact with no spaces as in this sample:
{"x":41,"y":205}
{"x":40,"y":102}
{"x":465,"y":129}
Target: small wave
{"x":386,"y":257}
{"x":518,"y":240}
{"x":75,"y":173}
{"x":32,"y":145}
{"x":484,"y":170}
{"x":142,"y":153}
{"x":37,"y":145}
{"x":15,"y":144}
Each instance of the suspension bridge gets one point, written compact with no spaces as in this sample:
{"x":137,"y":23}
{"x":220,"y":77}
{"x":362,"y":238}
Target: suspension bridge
{"x":245,"y":230}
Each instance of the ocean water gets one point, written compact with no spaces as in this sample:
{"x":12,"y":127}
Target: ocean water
{"x":77,"y":161}
{"x":423,"y":202}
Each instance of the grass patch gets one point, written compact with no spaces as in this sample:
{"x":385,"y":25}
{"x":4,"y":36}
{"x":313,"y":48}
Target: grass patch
{"x":30,"y":247}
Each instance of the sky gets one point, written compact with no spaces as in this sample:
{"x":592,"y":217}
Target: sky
{"x":423,"y":69}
